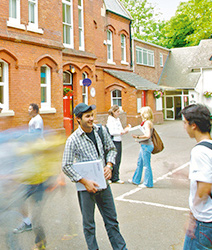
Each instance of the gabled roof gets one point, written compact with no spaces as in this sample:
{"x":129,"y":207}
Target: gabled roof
{"x":116,"y":7}
{"x":182,"y":69}
{"x":133,"y":80}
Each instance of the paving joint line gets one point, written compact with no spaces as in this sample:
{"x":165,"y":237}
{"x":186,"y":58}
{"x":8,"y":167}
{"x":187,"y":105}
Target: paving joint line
{"x":135,"y":190}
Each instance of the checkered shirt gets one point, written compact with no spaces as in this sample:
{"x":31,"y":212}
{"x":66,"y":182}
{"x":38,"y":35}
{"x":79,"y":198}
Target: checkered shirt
{"x":80,"y":148}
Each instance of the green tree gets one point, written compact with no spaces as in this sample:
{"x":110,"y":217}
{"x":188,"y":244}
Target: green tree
{"x":146,"y":23}
{"x":191,"y":23}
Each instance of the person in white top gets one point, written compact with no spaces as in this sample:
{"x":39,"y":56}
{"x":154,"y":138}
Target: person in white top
{"x":116,"y":131}
{"x":36,"y":122}
{"x":199,"y":229}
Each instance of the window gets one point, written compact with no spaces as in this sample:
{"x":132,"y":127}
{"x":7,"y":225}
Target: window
{"x":116,"y":98}
{"x":144,"y":56}
{"x":45,"y":77}
{"x":32,"y":11}
{"x":81,"y":28}
{"x":33,"y":17}
{"x":14,"y":11}
{"x":67,"y":78}
{"x":123,"y":48}
{"x":109,"y":46}
{"x":68,"y":24}
{"x":161,"y":59}
{"x":84,"y":90}
{"x":14,"y":15}
{"x":4,"y":85}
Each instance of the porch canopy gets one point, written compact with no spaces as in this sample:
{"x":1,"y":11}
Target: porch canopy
{"x":133,"y":80}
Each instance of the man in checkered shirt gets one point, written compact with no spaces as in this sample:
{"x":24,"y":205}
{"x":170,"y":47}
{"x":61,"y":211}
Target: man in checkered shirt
{"x":83,"y":145}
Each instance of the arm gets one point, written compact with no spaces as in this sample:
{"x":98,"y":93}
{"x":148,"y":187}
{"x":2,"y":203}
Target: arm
{"x":68,"y":159}
{"x":67,"y":167}
{"x":203,"y":191}
{"x":147,"y":132}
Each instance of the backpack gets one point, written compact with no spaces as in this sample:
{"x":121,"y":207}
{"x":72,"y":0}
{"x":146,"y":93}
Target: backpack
{"x":100,"y":133}
{"x":208,"y":145}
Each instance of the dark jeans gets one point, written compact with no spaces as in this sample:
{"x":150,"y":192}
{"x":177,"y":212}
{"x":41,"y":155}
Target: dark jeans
{"x":106,"y":206}
{"x":115,"y":172}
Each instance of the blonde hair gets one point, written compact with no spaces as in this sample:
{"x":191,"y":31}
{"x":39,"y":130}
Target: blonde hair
{"x":146,"y":113}
{"x":113,"y":109}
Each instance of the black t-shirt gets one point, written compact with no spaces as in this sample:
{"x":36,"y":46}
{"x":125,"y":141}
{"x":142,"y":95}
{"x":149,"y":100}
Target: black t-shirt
{"x":91,"y":135}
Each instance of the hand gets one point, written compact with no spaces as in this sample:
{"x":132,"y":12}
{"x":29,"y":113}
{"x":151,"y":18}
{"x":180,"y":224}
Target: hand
{"x":135,"y":136}
{"x":107,"y":173}
{"x":191,"y":226}
{"x":89,"y":185}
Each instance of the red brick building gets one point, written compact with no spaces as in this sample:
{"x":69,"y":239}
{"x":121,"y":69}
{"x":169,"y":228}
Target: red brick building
{"x":30,"y":61}
{"x":83,"y":43}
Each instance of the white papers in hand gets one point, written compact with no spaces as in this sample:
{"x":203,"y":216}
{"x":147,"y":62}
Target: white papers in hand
{"x":137,"y":130}
{"x":91,"y":170}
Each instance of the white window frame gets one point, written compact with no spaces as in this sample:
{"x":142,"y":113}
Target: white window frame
{"x":109,"y":46}
{"x":81,"y":27}
{"x":15,"y":21}
{"x":139,"y":104}
{"x":47,"y":85}
{"x":33,"y":26}
{"x":66,"y":24}
{"x":115,"y":100}
{"x":141,"y":53}
{"x":84,"y":89}
{"x":161,"y":59}
{"x":123,"y":48}
{"x":5,"y":85}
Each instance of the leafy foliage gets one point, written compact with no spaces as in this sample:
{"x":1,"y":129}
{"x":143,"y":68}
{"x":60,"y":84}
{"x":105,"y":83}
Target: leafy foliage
{"x":191,"y":23}
{"x":145,"y":25}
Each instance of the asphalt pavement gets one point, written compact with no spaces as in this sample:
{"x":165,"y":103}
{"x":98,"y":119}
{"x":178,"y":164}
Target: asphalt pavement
{"x":150,"y":219}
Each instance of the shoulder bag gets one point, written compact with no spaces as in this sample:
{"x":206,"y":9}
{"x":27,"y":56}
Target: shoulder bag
{"x":157,"y":142}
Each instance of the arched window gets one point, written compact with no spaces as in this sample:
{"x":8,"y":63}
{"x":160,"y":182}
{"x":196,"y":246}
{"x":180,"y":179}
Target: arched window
{"x":4,"y":85}
{"x":45,"y":79}
{"x":116,"y":98}
{"x":67,"y":78}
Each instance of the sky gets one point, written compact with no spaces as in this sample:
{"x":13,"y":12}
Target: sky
{"x":166,"y":7}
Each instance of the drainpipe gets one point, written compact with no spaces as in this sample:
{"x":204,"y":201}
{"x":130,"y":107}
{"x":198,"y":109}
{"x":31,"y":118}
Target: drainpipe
{"x":131,"y":49}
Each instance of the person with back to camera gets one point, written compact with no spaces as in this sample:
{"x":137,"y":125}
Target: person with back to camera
{"x":199,"y":229}
{"x":116,"y":131}
{"x":144,"y":158}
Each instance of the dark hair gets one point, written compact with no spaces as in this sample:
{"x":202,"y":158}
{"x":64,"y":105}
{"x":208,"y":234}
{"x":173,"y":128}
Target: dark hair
{"x":198,"y":114}
{"x":35,"y":107}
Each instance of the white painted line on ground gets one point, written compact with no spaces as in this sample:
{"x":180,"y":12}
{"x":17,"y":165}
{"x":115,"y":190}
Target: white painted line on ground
{"x":156,"y":205}
{"x":121,"y":197}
